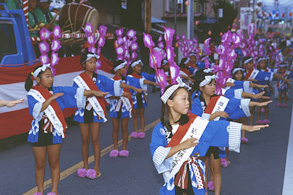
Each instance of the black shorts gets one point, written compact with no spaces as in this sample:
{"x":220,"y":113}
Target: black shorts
{"x":139,"y":100}
{"x":45,"y":139}
{"x":213,"y":150}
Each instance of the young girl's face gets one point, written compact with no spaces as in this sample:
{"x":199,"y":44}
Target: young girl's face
{"x":137,"y":68}
{"x":249,"y":65}
{"x":283,"y":69}
{"x":91,"y":64}
{"x":181,"y":102}
{"x":122,"y":71}
{"x":238,"y":75}
{"x":166,"y":67}
{"x":46,"y":79}
{"x":192,"y":59}
{"x":262,"y":64}
{"x":209,"y":89}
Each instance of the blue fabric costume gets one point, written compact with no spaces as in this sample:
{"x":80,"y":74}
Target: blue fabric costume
{"x":72,"y":98}
{"x":216,"y":133}
{"x":104,"y":84}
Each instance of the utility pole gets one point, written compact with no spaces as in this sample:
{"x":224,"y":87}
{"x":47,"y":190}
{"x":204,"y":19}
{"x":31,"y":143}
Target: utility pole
{"x":175,"y":15}
{"x":190,"y":20}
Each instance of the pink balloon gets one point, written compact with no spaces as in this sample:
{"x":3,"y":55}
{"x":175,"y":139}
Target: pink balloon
{"x":133,"y":55}
{"x":92,"y":49}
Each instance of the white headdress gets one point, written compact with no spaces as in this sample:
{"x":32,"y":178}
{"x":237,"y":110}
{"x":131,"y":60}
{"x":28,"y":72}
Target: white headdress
{"x":173,"y":88}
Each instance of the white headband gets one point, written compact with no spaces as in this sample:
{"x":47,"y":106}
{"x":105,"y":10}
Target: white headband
{"x":164,"y":62}
{"x":187,"y":60}
{"x":173,"y":88}
{"x":237,"y":69}
{"x":89,"y":56}
{"x":42,"y":68}
{"x":120,"y":66}
{"x":136,"y":63}
{"x":192,"y":54}
{"x":208,"y":70}
{"x":283,"y":65}
{"x":207,"y":80}
{"x":248,"y":60}
{"x":260,"y":59}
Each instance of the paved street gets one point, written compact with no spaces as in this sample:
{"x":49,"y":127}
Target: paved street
{"x":257,"y":170}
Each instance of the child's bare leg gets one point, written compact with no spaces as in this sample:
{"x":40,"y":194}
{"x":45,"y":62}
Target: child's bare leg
{"x":142,"y":120}
{"x":258,"y":113}
{"x":216,"y":170}
{"x":206,"y":163}
{"x":280,"y":97}
{"x":266,"y":112}
{"x":285,"y":97}
{"x":252,"y":115}
{"x":115,"y":123}
{"x":40,"y":164}
{"x":53,"y":158}
{"x":227,"y":154}
{"x":135,"y":119}
{"x":95,"y":134}
{"x":124,"y":124}
{"x":85,"y":140}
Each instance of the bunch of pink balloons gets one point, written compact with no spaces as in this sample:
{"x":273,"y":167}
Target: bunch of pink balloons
{"x":226,"y":50}
{"x":55,"y":46}
{"x":174,"y":69}
{"x":155,"y":61}
{"x":186,"y":46}
{"x":127,"y":45}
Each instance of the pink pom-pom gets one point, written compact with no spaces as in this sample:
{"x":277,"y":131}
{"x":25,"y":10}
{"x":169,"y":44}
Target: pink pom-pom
{"x":91,"y":173}
{"x":81,"y":173}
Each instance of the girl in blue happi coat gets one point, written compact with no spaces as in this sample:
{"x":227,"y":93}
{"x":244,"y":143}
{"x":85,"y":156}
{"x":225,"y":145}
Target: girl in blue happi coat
{"x":211,"y":107}
{"x":121,"y":107}
{"x":45,"y":104}
{"x":180,"y":140}
{"x":139,"y":99}
{"x":94,"y":112}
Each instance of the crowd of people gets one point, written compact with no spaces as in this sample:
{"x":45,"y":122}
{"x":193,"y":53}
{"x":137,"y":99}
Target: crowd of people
{"x":198,"y":126}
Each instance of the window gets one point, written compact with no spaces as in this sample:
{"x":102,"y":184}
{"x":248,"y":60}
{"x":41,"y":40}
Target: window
{"x":7,"y":39}
{"x":169,"y":6}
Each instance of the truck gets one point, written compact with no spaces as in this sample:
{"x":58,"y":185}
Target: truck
{"x":17,"y":60}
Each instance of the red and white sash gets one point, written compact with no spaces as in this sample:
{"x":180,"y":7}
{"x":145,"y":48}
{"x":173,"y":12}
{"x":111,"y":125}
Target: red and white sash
{"x":251,"y":74}
{"x":53,"y":111}
{"x":185,"y":71}
{"x":97,"y":103}
{"x":193,"y":129}
{"x":217,"y":103}
{"x":127,"y":102}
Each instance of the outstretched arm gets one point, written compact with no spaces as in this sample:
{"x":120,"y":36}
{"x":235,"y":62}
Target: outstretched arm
{"x":10,"y":103}
{"x":123,"y":85}
{"x":150,"y":82}
{"x":49,"y":100}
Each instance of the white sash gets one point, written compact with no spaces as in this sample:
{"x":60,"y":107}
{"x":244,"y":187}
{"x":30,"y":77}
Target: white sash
{"x":253,"y":74}
{"x":93,"y":100}
{"x":50,"y":112}
{"x":195,"y":130}
{"x":220,"y":106}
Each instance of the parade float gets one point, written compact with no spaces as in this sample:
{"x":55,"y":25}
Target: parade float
{"x":17,"y":59}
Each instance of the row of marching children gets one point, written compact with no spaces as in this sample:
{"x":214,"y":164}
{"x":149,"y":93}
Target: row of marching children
{"x":89,"y":93}
{"x":198,"y":125}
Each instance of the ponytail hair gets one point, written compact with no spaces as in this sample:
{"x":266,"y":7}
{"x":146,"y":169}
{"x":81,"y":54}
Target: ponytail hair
{"x":166,"y":113}
{"x":129,"y":70}
{"x":29,"y":82}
